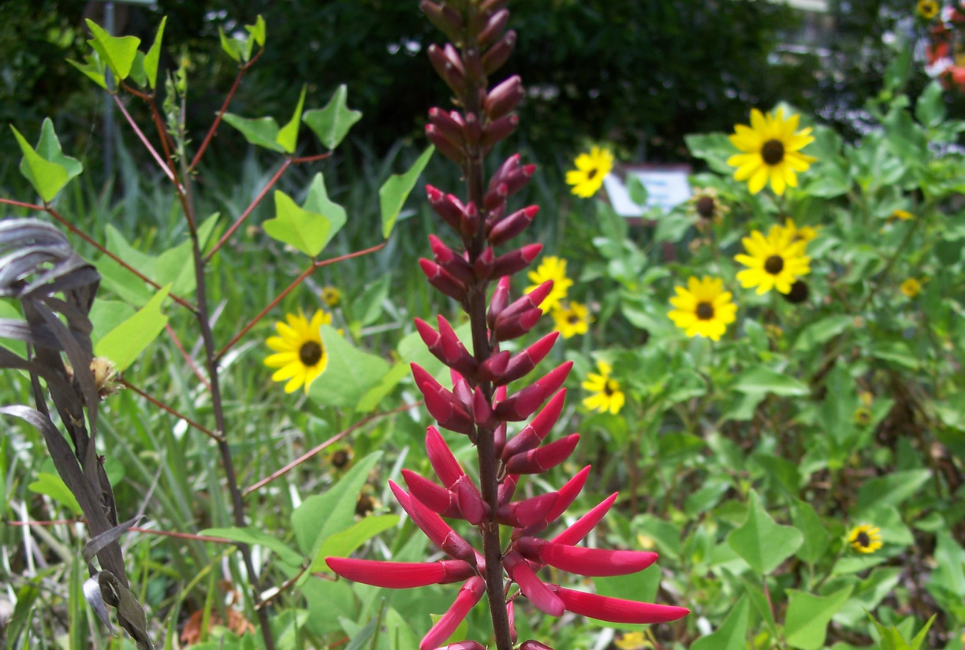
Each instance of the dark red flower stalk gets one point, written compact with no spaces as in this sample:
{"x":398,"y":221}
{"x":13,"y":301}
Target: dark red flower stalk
{"x":480,"y":402}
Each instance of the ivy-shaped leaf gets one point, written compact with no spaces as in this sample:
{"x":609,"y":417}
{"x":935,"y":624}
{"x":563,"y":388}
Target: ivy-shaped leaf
{"x":304,"y":230}
{"x":125,"y":342}
{"x":318,"y":202}
{"x":760,"y":541}
{"x":395,"y":191}
{"x":261,"y":132}
{"x":47,"y":177}
{"x":231,"y":46}
{"x":807,"y":618}
{"x":154,"y":54}
{"x":288,"y":135}
{"x":49,"y":149}
{"x":117,"y":51}
{"x":257,"y":31}
{"x":332,"y":123}
{"x":93,"y":67}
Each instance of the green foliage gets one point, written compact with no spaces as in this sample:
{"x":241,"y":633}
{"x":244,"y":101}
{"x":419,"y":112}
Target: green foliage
{"x":332,"y":123}
{"x":395,"y":191}
{"x":124,"y":343}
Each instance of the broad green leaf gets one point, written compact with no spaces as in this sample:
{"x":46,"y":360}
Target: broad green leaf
{"x":370,"y":302}
{"x":637,"y":190}
{"x":398,"y":631}
{"x":867,"y":594}
{"x":763,"y":543}
{"x":304,"y":230}
{"x":137,"y":70}
{"x":54,"y":487}
{"x":732,"y":633}
{"x":342,"y":544}
{"x":327,"y":601}
{"x":318,"y":202}
{"x":377,"y":393}
{"x":175,"y":266}
{"x":105,"y":315}
{"x":806,"y":622}
{"x":949,"y":575}
{"x":761,"y":379}
{"x":930,"y":109}
{"x":323,"y":515}
{"x":393,"y":193}
{"x":261,"y":132}
{"x":117,"y":51}
{"x":816,"y":537}
{"x":288,"y":135}
{"x":761,"y":604}
{"x":821,"y":331}
{"x":714,"y":148}
{"x":257,"y":31}
{"x":783,"y":471}
{"x":231,"y":46}
{"x":46,"y":177}
{"x":154,"y":54}
{"x":253,"y":535}
{"x":125,"y":342}
{"x":893,"y":639}
{"x":891,"y":489}
{"x":93,"y":67}
{"x":332,"y":123}
{"x":49,"y":149}
{"x":350,"y":373}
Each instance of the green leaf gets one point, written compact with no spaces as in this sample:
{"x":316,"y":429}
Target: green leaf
{"x":762,"y":543}
{"x":137,"y":70}
{"x":288,"y":135}
{"x":321,"y":516}
{"x":49,"y":149}
{"x":54,"y":487}
{"x":46,"y":177}
{"x":637,"y":190}
{"x":761,"y":604}
{"x":393,"y":193}
{"x":732,"y":633}
{"x":867,"y":594}
{"x":350,"y":373}
{"x":816,"y":537}
{"x":11,"y":311}
{"x":822,"y":331}
{"x":370,"y":302}
{"x":318,"y":202}
{"x":332,"y":123}
{"x":257,"y":31}
{"x":154,"y":54}
{"x":231,"y":46}
{"x":125,"y":342}
{"x":806,"y":622}
{"x":175,"y":266}
{"x":117,"y":51}
{"x":261,"y":132}
{"x":949,"y":575}
{"x":343,"y":543}
{"x":761,"y":379}
{"x":891,"y":489}
{"x":251,"y":535}
{"x":304,"y":230}
{"x":105,"y":315}
{"x":93,"y":67}
{"x":715,"y":148}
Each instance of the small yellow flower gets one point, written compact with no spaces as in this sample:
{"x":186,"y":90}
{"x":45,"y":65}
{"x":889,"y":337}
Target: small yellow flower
{"x":551,"y":268}
{"x":927,"y":9}
{"x":331,"y":296}
{"x":571,"y":319}
{"x":775,"y":261}
{"x":706,"y":204}
{"x":703,"y":308}
{"x":300,"y":357}
{"x":911,"y":287}
{"x":904,"y":215}
{"x":862,"y":417}
{"x":771,"y":150}
{"x":805,"y":234}
{"x":590,"y":171}
{"x":633,"y":641}
{"x":866,"y":397}
{"x":865,"y":538}
{"x":607,"y":394}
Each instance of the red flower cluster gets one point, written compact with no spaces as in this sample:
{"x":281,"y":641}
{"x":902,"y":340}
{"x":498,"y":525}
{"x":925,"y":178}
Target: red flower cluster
{"x":945,"y":53}
{"x":479,"y":405}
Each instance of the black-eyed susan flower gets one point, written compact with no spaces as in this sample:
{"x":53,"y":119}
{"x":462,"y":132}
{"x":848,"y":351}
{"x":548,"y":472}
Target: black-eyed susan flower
{"x":805,"y":233}
{"x":865,"y":538}
{"x":706,"y":204}
{"x":771,"y":150}
{"x":799,"y":292}
{"x":775,"y":261}
{"x":703,"y":308}
{"x":551,"y":268}
{"x":591,"y":169}
{"x":633,"y":641}
{"x":570,"y":319}
{"x":607,"y":395}
{"x":927,"y":9}
{"x":300,"y":355}
{"x":331,"y":296}
{"x":862,"y":416}
{"x":904,"y":215}
{"x":911,"y":287}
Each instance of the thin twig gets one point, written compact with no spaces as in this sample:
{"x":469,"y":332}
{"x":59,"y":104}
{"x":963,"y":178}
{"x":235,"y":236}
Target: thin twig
{"x":301,"y":278}
{"x":187,"y":357}
{"x":338,"y":436}
{"x":288,"y":583}
{"x":144,"y":140}
{"x":136,"y":529}
{"x":170,"y":410}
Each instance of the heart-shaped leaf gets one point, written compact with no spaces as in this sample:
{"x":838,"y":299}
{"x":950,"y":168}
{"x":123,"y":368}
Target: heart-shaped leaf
{"x":332,"y":123}
{"x":261,"y":132}
{"x":763,"y":543}
{"x":47,"y":177}
{"x":117,"y":51}
{"x":317,"y":201}
{"x":304,"y":230}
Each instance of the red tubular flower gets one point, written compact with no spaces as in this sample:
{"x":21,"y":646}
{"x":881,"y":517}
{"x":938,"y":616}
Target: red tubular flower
{"x":536,"y":431}
{"x":446,"y":466}
{"x":466,"y":599}
{"x":584,"y":561}
{"x":617,"y":610}
{"x":545,"y":458}
{"x":522,"y":514}
{"x":586,"y":523}
{"x":524,"y":403}
{"x":401,"y":575}
{"x":532,"y":587}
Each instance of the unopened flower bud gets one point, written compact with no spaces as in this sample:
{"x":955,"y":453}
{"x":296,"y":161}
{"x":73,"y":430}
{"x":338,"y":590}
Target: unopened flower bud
{"x":496,"y":56}
{"x":449,"y":67}
{"x":617,"y":610}
{"x":531,"y":586}
{"x":446,"y":146}
{"x":499,"y":130}
{"x":443,"y":280}
{"x":536,"y":431}
{"x":498,"y":302}
{"x":516,"y":260}
{"x":524,"y":403}
{"x":445,"y":18}
{"x":494,"y":28}
{"x":470,"y":594}
{"x":544,"y":458}
{"x":400,"y":575}
{"x":511,"y":226}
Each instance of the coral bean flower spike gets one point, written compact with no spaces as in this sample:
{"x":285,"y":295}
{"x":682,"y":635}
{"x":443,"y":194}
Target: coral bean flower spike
{"x":771,"y":150}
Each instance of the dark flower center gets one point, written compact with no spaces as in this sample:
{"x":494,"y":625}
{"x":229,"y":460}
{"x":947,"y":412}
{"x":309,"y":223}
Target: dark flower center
{"x":310,"y":353}
{"x":863,"y":539}
{"x":772,"y":152}
{"x":705,"y":311}
{"x":572,"y":319}
{"x":340,"y":458}
{"x":590,"y":174}
{"x":705,"y":207}
{"x":774,"y":264}
{"x":610,"y":388}
{"x":798,"y":293}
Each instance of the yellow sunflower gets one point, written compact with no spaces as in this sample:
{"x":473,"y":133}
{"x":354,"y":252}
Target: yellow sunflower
{"x":927,"y":9}
{"x":607,"y":395}
{"x":331,"y":296}
{"x":570,"y":319}
{"x":865,"y":538}
{"x":775,"y":261}
{"x":551,"y":268}
{"x":300,"y":357}
{"x":911,"y":287}
{"x":703,"y":308}
{"x":805,"y":234}
{"x":590,"y":171}
{"x":771,"y":151}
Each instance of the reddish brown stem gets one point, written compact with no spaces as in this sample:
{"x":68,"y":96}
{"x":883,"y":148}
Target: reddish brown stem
{"x":170,"y":410}
{"x":288,"y":583}
{"x":187,"y":357}
{"x":136,"y":529}
{"x":338,"y":436}
{"x":147,"y":145}
{"x":301,"y":278}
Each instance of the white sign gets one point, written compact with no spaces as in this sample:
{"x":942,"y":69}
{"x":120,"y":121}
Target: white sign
{"x":666,"y":188}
